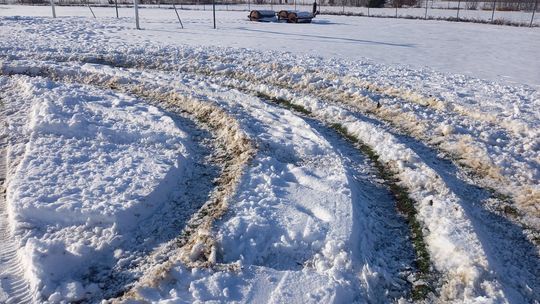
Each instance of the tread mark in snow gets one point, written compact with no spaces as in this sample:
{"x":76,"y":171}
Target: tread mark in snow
{"x":487,"y":168}
{"x":458,"y":193}
{"x":237,"y":151}
{"x":495,"y":233}
{"x":12,"y":281}
{"x":421,"y":290}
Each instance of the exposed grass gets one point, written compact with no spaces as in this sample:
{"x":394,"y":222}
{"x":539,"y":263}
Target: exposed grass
{"x":284,"y":103}
{"x":505,"y":206}
{"x":500,"y":196}
{"x":510,"y":211}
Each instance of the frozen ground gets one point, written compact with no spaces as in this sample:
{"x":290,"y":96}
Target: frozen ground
{"x":194,"y":165}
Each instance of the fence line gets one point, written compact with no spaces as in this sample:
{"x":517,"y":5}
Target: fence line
{"x":508,"y":12}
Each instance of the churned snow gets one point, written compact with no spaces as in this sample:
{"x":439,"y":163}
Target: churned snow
{"x":85,"y":167}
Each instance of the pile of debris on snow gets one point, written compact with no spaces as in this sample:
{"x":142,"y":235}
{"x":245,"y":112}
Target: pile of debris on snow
{"x":262,"y":16}
{"x":282,"y":16}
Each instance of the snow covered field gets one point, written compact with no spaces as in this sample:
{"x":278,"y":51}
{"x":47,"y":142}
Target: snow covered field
{"x":377,"y":160}
{"x":497,"y":53}
{"x":435,"y":10}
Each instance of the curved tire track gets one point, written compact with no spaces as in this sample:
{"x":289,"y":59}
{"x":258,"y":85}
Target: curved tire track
{"x":497,"y":235}
{"x":464,"y":206}
{"x":397,"y":110}
{"x":379,"y":204}
{"x":235,"y":152}
{"x":463,"y":147}
{"x":154,"y":274}
{"x":366,"y":219}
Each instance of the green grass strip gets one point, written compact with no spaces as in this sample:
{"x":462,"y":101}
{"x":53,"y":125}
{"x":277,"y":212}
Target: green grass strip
{"x":405,"y":205}
{"x":284,"y":103}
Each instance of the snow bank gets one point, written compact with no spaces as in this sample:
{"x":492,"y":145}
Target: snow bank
{"x":107,"y":152}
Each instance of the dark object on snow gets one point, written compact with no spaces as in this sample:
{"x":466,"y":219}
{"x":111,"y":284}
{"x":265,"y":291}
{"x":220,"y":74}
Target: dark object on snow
{"x":262,"y":16}
{"x":283,"y":15}
{"x":376,"y":3}
{"x":315,"y":12}
{"x":289,"y":16}
{"x":378,"y":104}
{"x":295,"y":17}
{"x":299,"y":17}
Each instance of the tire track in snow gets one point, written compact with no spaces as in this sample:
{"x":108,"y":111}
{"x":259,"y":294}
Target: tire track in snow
{"x":463,"y":147}
{"x":173,"y":217}
{"x":369,"y":240}
{"x":167,"y":221}
{"x":371,"y":251}
{"x":473,"y":158}
{"x":486,"y":226}
{"x":380,"y":250}
{"x":421,"y":278}
{"x":477,"y":155}
{"x":195,"y":246}
{"x":489,"y":227}
{"x":14,"y":288}
{"x":407,"y":112}
{"x":437,"y":170}
{"x":377,"y":215}
{"x":321,"y":77}
{"x":333,"y":78}
{"x":497,"y":236}
{"x":324,"y":78}
{"x":367,"y":255}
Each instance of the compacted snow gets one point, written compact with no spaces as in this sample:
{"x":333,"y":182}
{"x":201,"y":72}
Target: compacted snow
{"x":148,"y":166}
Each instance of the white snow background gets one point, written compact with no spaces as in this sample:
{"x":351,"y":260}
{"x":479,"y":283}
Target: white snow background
{"x":95,"y":178}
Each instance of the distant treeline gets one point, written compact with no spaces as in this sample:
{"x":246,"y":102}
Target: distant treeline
{"x":506,"y":5}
